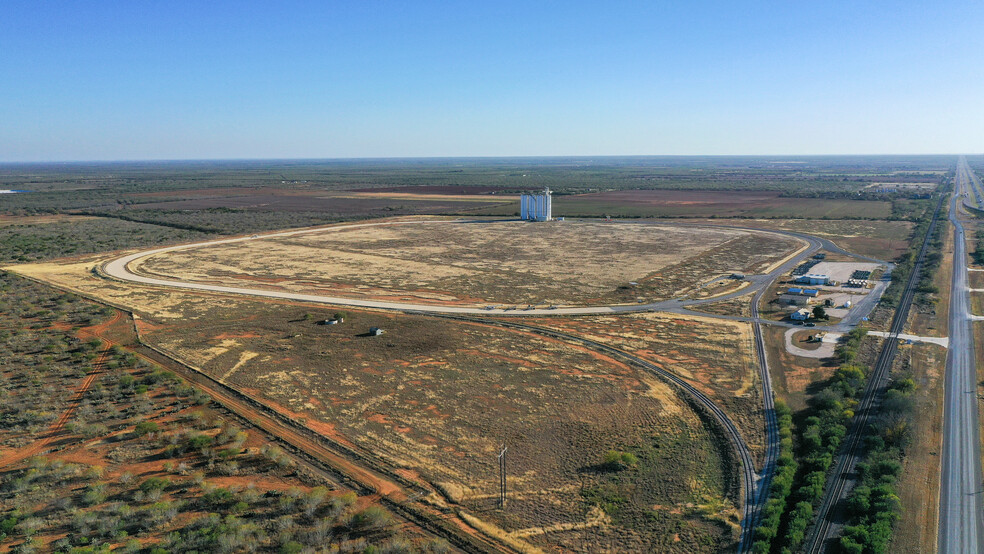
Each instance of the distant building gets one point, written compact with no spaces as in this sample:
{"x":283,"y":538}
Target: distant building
{"x":800,"y":315}
{"x":813,"y":279}
{"x":795,"y":300}
{"x":535,"y":206}
{"x":796,"y":291}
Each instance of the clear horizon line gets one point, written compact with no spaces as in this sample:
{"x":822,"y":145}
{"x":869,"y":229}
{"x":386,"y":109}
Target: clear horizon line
{"x":475,"y":157}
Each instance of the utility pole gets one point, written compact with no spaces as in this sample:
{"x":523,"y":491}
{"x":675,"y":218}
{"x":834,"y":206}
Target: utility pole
{"x":502,"y":477}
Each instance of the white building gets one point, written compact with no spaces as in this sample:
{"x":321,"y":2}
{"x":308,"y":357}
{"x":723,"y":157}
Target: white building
{"x":813,"y":279}
{"x":800,"y":315}
{"x":535,"y":206}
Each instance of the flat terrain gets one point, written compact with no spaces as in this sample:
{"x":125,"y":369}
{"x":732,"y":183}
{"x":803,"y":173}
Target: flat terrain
{"x":438,"y":399}
{"x":716,"y":356}
{"x":563,"y":263}
{"x":697,"y":203}
{"x":100,"y":446}
{"x":338,"y":204}
{"x":884,"y":240}
{"x":919,"y":484}
{"x":435,"y":399}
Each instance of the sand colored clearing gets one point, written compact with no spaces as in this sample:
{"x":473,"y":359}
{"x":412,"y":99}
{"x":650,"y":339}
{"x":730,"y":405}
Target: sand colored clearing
{"x":482,"y":198}
{"x":6,"y":220}
{"x":162,"y":305}
{"x":580,"y":263}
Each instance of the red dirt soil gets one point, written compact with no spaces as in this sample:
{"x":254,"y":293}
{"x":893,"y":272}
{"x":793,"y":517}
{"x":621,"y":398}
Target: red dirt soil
{"x":98,"y":367}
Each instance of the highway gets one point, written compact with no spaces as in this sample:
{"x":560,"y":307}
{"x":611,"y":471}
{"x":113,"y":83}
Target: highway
{"x":961,"y":525}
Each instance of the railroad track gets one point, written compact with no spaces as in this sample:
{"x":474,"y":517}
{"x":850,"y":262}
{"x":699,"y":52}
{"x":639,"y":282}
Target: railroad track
{"x":838,"y":481}
{"x":310,"y":449}
{"x":336,"y":461}
{"x":693,"y":395}
{"x":753,"y":507}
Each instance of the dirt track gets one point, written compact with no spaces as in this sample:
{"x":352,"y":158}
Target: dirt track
{"x":97,"y":369}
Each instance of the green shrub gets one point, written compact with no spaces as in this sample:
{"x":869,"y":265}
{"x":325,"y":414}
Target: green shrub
{"x":154,"y":484}
{"x":616,"y":460}
{"x":145,"y":427}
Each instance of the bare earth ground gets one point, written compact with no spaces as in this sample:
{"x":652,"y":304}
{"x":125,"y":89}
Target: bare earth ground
{"x":6,"y":220}
{"x":488,"y":262}
{"x":740,"y":306}
{"x":438,"y":398}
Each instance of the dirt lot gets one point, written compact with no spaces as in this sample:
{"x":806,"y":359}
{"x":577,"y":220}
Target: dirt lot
{"x":841,"y":271}
{"x":579,"y":263}
{"x":437,"y":399}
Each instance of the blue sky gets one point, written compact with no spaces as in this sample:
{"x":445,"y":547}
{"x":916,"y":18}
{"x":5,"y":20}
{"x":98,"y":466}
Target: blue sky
{"x":191,"y":80}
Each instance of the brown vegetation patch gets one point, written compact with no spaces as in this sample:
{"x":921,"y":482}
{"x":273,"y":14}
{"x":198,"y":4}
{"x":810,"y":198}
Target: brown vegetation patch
{"x":441,"y":397}
{"x":474,"y":264}
{"x":714,"y":355}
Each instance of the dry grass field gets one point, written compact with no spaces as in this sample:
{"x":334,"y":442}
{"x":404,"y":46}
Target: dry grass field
{"x":919,"y":485}
{"x":884,"y":240}
{"x":436,"y":398}
{"x":716,"y":356}
{"x":7,"y":220}
{"x":740,"y":306}
{"x":487,"y":262}
{"x":707,"y":203}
